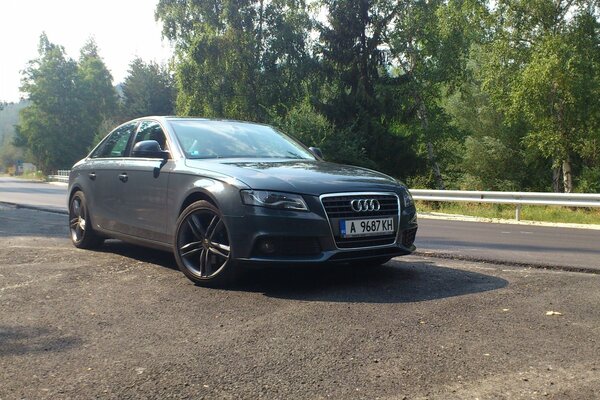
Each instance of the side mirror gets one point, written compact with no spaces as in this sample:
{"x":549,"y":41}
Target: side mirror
{"x":316,"y":152}
{"x":149,"y":149}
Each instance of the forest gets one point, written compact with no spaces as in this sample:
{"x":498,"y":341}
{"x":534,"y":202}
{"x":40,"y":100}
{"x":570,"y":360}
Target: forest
{"x":445,"y":94}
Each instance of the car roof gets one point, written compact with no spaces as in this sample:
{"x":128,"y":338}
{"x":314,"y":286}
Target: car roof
{"x":199,"y":119}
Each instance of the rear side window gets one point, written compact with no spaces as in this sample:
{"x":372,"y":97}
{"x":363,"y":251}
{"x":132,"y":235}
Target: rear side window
{"x":116,"y":143}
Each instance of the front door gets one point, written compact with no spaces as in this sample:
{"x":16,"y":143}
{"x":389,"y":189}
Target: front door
{"x":144,"y":189}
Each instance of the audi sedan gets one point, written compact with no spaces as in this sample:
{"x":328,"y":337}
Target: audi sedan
{"x":225,"y":194}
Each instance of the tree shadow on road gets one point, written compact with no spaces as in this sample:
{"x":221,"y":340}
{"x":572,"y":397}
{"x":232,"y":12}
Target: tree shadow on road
{"x":26,"y":340}
{"x":15,"y":222}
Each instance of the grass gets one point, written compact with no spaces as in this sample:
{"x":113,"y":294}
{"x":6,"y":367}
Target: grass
{"x":505,"y":211}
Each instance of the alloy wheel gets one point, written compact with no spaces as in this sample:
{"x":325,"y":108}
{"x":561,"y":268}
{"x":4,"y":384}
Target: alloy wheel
{"x":203,"y":243}
{"x":77,"y":219}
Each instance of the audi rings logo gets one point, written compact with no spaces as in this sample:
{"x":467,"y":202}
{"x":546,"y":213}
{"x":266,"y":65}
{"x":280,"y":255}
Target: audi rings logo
{"x":364,"y":205}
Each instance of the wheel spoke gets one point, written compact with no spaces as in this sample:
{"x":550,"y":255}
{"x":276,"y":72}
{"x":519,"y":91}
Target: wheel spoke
{"x":76,"y":207}
{"x":214,"y":223}
{"x":221,"y":249}
{"x":196,"y":227}
{"x":73,"y":223}
{"x":190,"y":248}
{"x":218,"y":252}
{"x":202,"y":262}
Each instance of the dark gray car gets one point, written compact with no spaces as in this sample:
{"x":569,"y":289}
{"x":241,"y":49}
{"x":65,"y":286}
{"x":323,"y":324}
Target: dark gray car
{"x":221,"y":194}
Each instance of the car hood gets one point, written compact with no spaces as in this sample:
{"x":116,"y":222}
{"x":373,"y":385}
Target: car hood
{"x":306,"y":177}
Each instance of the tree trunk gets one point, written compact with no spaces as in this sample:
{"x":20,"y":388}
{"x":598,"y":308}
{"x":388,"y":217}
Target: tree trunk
{"x":556,"y":178}
{"x":435,"y":167}
{"x":567,"y":176}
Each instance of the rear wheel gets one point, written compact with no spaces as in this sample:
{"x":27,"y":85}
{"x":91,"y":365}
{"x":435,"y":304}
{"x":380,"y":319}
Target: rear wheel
{"x":202,"y":245}
{"x":83,"y":235}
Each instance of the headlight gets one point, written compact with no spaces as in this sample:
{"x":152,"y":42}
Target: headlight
{"x":263,"y":198}
{"x":407,"y":197}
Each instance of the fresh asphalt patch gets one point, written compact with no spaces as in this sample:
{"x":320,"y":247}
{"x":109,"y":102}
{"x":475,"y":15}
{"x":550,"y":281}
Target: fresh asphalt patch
{"x":123,"y":322}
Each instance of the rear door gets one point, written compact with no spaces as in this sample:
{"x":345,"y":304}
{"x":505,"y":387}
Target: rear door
{"x":105,"y":165}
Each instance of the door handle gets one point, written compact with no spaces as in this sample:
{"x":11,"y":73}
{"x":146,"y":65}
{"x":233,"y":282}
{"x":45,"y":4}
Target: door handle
{"x":123,"y":177}
{"x":92,"y":175}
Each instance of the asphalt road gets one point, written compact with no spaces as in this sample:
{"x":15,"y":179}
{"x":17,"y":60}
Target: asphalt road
{"x":32,"y":193}
{"x":123,"y":323}
{"x":567,"y":248}
{"x":528,"y":245}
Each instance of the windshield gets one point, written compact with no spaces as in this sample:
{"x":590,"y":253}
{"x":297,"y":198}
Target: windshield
{"x":223,"y":139}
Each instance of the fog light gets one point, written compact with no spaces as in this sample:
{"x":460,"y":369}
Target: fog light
{"x":267,"y":246}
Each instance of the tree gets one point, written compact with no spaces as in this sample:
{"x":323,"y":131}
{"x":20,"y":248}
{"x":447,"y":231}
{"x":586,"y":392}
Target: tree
{"x":95,"y":90}
{"x":430,"y":43}
{"x":543,"y":67}
{"x":67,"y":105}
{"x":9,"y":117}
{"x":237,"y":58}
{"x":148,"y":90}
{"x":359,"y":94}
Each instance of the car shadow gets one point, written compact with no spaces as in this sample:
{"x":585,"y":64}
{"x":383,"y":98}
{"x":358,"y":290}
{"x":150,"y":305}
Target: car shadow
{"x":394,"y":282}
{"x":139,"y":253}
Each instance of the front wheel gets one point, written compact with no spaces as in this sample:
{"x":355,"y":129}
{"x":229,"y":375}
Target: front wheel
{"x":202,"y":246}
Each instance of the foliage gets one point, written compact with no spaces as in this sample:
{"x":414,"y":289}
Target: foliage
{"x":312,"y":128}
{"x":237,"y":58}
{"x":507,"y":211}
{"x":469,"y":94}
{"x":68,"y":102}
{"x":361,"y":96}
{"x":148,"y":90}
{"x":9,"y":117}
{"x":543,"y":67}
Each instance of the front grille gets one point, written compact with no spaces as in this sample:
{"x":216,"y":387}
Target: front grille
{"x":338,"y":208}
{"x":368,"y":241}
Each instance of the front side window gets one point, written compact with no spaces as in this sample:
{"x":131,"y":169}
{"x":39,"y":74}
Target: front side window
{"x":150,"y":130}
{"x":116,"y":143}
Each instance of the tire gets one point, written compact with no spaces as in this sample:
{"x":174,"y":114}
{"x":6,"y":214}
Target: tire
{"x":202,"y":246}
{"x":83,"y":235}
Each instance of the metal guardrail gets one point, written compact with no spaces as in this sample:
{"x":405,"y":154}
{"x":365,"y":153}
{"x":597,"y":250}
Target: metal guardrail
{"x":62,"y":175}
{"x":516,"y":198}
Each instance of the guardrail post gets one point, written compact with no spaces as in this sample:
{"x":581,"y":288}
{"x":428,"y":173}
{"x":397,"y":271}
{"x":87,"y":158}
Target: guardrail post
{"x":518,"y":212}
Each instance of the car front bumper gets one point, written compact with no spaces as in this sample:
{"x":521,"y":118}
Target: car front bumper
{"x":307,"y":237}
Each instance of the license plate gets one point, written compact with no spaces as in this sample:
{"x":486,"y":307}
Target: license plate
{"x":366,"y":227}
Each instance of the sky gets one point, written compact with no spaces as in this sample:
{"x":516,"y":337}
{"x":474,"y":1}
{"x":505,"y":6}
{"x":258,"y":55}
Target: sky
{"x":123,"y":29}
